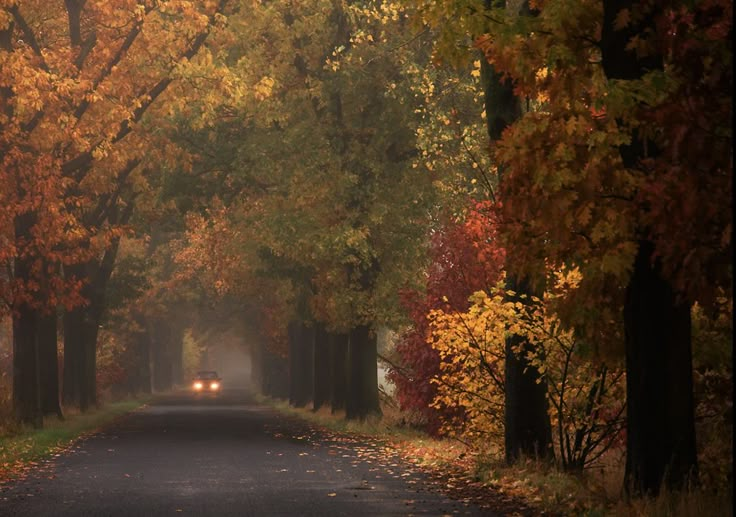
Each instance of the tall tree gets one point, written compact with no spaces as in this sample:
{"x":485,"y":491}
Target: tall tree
{"x":587,"y":181}
{"x":78,"y":95}
{"x":657,"y":309}
{"x":527,"y":429}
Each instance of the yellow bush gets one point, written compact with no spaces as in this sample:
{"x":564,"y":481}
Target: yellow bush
{"x":585,"y":397}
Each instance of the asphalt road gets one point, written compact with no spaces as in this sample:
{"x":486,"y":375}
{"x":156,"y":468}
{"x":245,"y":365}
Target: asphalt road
{"x":224,"y":457}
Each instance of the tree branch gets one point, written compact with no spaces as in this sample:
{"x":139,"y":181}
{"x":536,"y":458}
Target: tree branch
{"x":105,"y":72}
{"x":28,"y":35}
{"x":83,"y":160}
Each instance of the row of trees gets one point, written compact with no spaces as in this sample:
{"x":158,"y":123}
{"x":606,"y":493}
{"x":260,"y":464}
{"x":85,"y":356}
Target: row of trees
{"x":326,"y":168}
{"x":79,"y":81}
{"x":330,"y":215}
{"x":591,"y":172}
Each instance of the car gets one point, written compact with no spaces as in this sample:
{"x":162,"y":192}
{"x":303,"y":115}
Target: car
{"x":207,"y":382}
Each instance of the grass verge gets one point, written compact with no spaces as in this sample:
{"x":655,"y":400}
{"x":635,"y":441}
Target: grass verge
{"x":541,"y":488}
{"x":24,"y":450}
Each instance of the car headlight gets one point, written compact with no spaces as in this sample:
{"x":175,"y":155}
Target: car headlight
{"x":214,"y":385}
{"x":198,"y":386}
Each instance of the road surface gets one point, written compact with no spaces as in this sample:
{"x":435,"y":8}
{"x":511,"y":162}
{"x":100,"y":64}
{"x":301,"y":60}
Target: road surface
{"x":224,"y":457}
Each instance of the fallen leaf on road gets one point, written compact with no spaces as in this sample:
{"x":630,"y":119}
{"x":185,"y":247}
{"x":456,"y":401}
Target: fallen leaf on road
{"x":331,"y":494}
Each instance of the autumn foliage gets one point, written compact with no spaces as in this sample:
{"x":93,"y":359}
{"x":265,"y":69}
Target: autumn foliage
{"x":465,"y":257}
{"x":326,"y":166}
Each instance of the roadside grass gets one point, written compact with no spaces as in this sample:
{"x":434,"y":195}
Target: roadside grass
{"x":543,"y":488}
{"x":22,"y":448}
{"x":695,"y":503}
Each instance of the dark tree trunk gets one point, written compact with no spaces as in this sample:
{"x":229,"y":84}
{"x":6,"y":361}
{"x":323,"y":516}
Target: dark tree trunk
{"x":144,"y":380}
{"x":80,"y":361}
{"x":258,"y":364}
{"x":660,"y":427}
{"x":49,"y":364}
{"x":92,"y":322}
{"x":26,"y":368}
{"x":26,"y":374}
{"x":322,"y":371}
{"x":362,"y":392}
{"x":301,"y":363}
{"x":82,"y":324}
{"x":527,"y":429}
{"x":501,"y":105}
{"x":166,"y":337}
{"x":162,"y":353}
{"x":338,"y":344}
{"x":177,"y":354}
{"x":527,"y":426}
{"x":293,"y":332}
{"x":81,"y":327}
{"x":73,"y":357}
{"x":138,"y":379}
{"x":275,"y":375}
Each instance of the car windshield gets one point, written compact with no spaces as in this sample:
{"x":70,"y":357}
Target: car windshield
{"x":207,"y":375}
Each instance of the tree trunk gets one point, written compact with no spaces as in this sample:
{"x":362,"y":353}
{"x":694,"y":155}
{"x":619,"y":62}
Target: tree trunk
{"x":322,"y":370}
{"x":144,"y":380}
{"x":92,"y":330}
{"x":138,"y":379}
{"x":301,"y":363}
{"x":660,"y":427}
{"x":81,"y":327}
{"x":275,"y":375}
{"x":527,"y":429}
{"x":82,"y":324}
{"x":362,"y":392}
{"x":177,"y":352}
{"x":26,"y":375}
{"x":73,"y":358}
{"x":49,"y":364}
{"x":80,"y":346}
{"x":338,"y":370}
{"x":163,"y":368}
{"x":258,"y":364}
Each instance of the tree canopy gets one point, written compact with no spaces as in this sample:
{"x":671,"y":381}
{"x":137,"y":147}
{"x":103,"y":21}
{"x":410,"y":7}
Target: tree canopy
{"x":460,"y":172}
